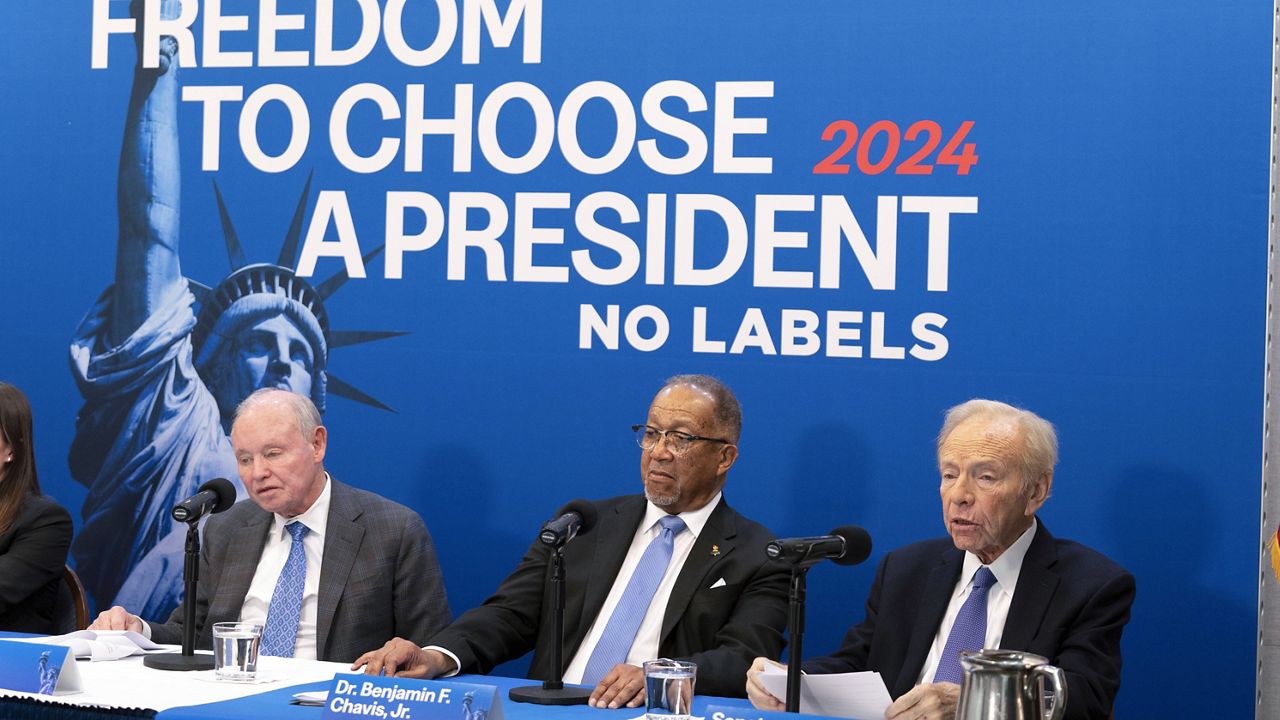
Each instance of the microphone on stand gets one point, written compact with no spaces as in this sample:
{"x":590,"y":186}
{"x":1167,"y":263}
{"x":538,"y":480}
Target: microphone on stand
{"x":575,"y":517}
{"x":212,"y":497}
{"x":572,"y":519}
{"x":848,"y":545}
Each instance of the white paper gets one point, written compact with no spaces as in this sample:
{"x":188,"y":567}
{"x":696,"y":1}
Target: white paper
{"x":860,"y":695}
{"x":315,"y":699}
{"x":98,"y":645}
{"x":126,"y":683}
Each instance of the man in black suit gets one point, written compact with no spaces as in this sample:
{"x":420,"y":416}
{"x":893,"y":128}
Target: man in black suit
{"x":370,"y":568}
{"x":1070,"y":605}
{"x":719,"y":603}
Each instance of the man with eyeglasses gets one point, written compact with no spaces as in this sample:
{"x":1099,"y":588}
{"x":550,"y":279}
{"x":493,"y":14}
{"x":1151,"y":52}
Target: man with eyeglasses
{"x":672,"y":573}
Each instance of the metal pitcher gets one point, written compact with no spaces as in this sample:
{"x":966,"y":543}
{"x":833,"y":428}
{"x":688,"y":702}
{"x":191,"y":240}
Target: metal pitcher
{"x":1010,"y":685}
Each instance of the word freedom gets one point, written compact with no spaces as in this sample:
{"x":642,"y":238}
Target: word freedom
{"x":389,"y":23}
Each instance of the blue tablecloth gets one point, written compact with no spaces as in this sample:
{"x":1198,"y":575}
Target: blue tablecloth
{"x":274,"y":705}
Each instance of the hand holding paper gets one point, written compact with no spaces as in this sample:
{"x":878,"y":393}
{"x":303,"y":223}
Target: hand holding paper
{"x":861,"y":695}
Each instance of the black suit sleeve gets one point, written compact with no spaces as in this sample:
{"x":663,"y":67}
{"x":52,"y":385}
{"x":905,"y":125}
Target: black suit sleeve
{"x":506,"y":625}
{"x":33,"y":550}
{"x":855,"y":652}
{"x":1089,"y":650}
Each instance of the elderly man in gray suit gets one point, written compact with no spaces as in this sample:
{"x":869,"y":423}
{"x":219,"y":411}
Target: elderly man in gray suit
{"x":330,"y":571}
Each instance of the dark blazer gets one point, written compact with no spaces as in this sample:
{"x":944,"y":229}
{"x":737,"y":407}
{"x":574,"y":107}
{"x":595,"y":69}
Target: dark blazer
{"x":722,"y":629}
{"x":379,"y":577}
{"x":1070,"y":605}
{"x":33,"y":550}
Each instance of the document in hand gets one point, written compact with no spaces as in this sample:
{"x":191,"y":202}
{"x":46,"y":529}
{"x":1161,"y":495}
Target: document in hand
{"x":860,"y":695}
{"x":102,"y":644}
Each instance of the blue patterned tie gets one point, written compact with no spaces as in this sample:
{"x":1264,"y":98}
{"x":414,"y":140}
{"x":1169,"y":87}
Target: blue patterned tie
{"x":615,"y":642}
{"x":281,"y":631}
{"x":970,"y":629}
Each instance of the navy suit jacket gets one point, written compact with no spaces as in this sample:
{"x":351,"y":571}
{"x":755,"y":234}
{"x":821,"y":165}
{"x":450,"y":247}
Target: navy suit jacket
{"x":1070,"y":605}
{"x":720,"y":628}
{"x":379,"y":577}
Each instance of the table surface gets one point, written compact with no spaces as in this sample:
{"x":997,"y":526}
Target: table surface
{"x":197,"y":695}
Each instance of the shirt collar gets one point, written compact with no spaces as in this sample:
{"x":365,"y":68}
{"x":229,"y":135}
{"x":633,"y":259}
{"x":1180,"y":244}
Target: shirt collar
{"x":694,"y":520}
{"x":1007,"y":567}
{"x":316,"y":518}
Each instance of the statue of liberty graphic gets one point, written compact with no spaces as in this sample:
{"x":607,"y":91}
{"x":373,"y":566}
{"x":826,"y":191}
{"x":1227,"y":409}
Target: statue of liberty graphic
{"x":48,"y":675}
{"x":162,"y":361}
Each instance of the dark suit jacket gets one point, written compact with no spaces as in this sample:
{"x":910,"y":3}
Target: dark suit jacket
{"x":33,"y":550}
{"x":721,"y":629}
{"x":379,"y":577}
{"x":1070,"y":605}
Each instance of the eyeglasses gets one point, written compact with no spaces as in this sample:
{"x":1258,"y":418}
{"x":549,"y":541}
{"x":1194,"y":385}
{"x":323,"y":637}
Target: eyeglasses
{"x":678,"y":443}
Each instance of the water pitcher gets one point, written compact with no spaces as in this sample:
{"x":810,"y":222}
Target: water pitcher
{"x":1010,"y":685}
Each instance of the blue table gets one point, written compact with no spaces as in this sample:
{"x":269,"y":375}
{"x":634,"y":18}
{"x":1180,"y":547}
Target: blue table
{"x":274,"y":705}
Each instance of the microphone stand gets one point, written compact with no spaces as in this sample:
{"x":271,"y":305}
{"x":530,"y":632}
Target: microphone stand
{"x":552,"y":691}
{"x":795,"y":631}
{"x":187,"y":659}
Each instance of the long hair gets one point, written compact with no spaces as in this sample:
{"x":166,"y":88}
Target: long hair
{"x":18,"y":478}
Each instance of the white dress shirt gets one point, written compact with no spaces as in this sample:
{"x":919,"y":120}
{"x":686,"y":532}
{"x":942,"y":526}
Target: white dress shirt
{"x":645,"y":646}
{"x":1006,"y":569}
{"x":274,"y":554}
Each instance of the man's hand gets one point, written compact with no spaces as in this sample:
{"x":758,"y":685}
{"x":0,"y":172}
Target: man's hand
{"x":401,"y":658}
{"x":117,"y":618}
{"x":623,"y":686}
{"x":756,"y":692}
{"x":931,"y":701}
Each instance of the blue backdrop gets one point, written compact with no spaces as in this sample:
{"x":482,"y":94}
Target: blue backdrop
{"x":1104,"y":265}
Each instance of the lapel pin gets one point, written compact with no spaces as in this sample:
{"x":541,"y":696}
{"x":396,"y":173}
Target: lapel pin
{"x":715,"y":551}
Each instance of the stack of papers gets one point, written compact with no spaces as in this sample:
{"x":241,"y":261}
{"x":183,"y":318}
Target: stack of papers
{"x":860,"y":695}
{"x":310,"y":699}
{"x":101,"y":644}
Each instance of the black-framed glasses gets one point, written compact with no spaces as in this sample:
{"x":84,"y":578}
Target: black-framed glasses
{"x":678,"y":443}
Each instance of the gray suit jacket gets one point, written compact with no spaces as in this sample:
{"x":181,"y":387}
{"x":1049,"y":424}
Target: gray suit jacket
{"x":379,"y":577}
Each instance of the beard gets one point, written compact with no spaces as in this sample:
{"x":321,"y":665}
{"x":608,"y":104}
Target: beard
{"x":662,"y":501}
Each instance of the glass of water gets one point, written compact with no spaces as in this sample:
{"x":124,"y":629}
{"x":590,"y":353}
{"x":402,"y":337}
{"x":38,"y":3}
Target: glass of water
{"x":669,"y":689}
{"x":235,"y":651}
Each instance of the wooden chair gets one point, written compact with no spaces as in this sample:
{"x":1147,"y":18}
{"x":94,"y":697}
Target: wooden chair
{"x":71,"y":611}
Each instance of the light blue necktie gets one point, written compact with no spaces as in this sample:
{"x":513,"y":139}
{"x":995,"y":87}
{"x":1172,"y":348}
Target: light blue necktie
{"x":620,"y":632}
{"x":281,"y":631}
{"x":970,"y":629}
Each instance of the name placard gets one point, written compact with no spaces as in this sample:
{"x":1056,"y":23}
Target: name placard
{"x":389,"y":698}
{"x":746,"y":712}
{"x":38,"y":668}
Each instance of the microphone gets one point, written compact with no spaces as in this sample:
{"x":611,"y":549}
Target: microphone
{"x":848,"y":545}
{"x":575,"y":517}
{"x":214,"y":496}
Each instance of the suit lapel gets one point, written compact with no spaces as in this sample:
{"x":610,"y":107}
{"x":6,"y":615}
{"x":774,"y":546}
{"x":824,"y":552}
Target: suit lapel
{"x":933,"y":605}
{"x":719,"y":533}
{"x":341,"y":545}
{"x":1036,"y":585}
{"x":603,"y":557}
{"x":239,"y":568}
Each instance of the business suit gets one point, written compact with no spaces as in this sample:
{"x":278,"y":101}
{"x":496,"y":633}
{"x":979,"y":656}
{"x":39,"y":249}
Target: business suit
{"x":721,"y":629}
{"x":33,"y":550}
{"x":379,"y":577}
{"x":1070,"y":605}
